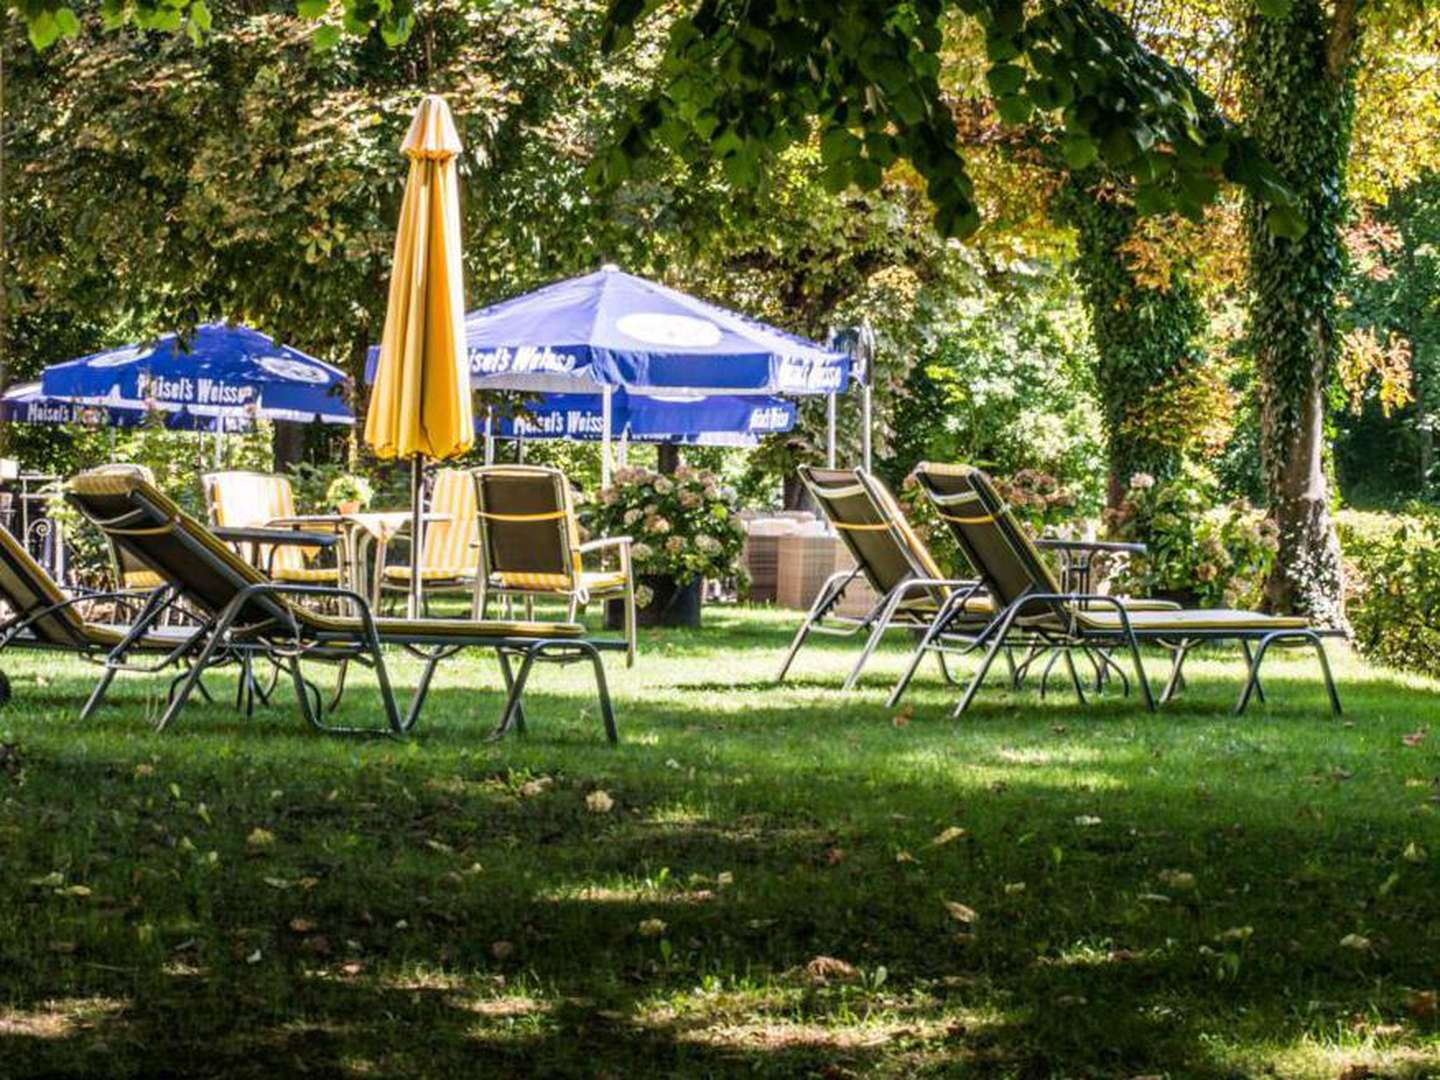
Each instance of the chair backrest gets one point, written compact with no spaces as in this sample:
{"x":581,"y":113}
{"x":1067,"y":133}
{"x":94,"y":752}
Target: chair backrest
{"x":452,"y":544}
{"x":873,"y":527}
{"x":147,"y":525}
{"x":27,"y":588}
{"x":129,"y":574}
{"x":528,"y":531}
{"x":241,"y":499}
{"x":997,"y":545}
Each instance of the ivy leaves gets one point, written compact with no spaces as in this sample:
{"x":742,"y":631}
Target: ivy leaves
{"x":740,"y":82}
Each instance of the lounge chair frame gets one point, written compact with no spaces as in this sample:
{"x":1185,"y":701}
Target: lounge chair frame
{"x":259,"y":617}
{"x":918,"y":579}
{"x":1039,"y":614}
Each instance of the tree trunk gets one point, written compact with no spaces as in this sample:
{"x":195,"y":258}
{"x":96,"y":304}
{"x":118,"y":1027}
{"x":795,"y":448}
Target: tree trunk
{"x":1146,"y":338}
{"x":1297,"y":75}
{"x":668,"y":458}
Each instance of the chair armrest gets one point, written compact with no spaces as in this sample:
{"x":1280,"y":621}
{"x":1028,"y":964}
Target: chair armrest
{"x":602,"y":543}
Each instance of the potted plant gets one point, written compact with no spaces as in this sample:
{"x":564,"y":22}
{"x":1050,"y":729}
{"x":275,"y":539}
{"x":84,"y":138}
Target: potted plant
{"x":349,"y":494}
{"x":684,"y":528}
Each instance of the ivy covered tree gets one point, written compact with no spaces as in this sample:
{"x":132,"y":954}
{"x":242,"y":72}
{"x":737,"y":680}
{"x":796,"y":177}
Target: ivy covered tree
{"x":1298,"y":65}
{"x":1150,"y":364}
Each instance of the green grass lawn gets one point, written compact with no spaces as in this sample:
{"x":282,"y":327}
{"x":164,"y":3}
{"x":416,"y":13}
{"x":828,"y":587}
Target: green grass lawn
{"x":780,"y":881}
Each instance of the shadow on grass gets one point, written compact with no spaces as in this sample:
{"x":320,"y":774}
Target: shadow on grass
{"x":443,"y":906}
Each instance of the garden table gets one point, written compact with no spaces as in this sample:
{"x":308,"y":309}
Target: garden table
{"x":371,"y":527}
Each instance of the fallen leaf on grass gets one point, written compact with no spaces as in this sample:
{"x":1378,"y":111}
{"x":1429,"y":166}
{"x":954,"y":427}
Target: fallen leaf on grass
{"x":1414,"y":853}
{"x":502,"y":950}
{"x":954,"y":832}
{"x":1014,"y":888}
{"x":599,"y":802}
{"x":301,"y":926}
{"x":834,"y":856}
{"x":824,"y":968}
{"x":52,"y":880}
{"x":260,"y":838}
{"x":1086,"y":821}
{"x":1358,"y":942}
{"x":652,"y":927}
{"x":961,"y":912}
{"x":1415,"y":738}
{"x":254,"y":957}
{"x":1179,"y":880}
{"x":902,"y":718}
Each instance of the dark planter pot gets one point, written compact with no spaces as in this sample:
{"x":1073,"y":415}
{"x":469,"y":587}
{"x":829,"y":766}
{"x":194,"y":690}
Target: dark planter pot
{"x":671,"y":605}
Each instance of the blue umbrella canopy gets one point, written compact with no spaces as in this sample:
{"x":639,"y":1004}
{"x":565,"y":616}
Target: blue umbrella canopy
{"x":726,"y":419}
{"x":610,"y":328}
{"x":220,"y":370}
{"x":26,"y":403}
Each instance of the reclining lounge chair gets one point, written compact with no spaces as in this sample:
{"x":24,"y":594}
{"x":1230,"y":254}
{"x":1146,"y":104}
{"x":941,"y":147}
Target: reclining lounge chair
{"x":1034,"y":609}
{"x":43,"y":616}
{"x":250,"y":612}
{"x":892,"y":559}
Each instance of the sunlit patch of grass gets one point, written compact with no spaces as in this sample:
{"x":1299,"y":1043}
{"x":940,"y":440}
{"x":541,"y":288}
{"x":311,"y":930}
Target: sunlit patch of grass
{"x":59,"y":1019}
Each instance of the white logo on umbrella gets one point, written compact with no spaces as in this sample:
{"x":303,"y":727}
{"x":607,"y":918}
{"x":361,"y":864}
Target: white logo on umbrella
{"x":293,"y":370}
{"x":120,"y":357}
{"x":656,"y":328}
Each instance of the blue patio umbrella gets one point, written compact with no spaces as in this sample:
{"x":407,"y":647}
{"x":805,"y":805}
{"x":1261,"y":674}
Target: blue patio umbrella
{"x":219,"y":371}
{"x":725,"y":419}
{"x":26,"y":403}
{"x":614,"y":329}
{"x":609,"y":331}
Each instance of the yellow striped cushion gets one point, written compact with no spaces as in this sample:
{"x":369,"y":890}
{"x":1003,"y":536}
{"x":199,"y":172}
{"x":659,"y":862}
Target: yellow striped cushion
{"x":143,"y":579}
{"x":516,"y":579}
{"x":428,"y":573}
{"x":452,"y":545}
{"x":304,"y":574}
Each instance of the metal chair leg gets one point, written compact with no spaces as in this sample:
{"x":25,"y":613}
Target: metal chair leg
{"x":509,"y":676}
{"x":1329,"y":679}
{"x":98,"y":693}
{"x":1259,"y":686}
{"x":1074,"y":675}
{"x":417,"y":699}
{"x":516,"y":689}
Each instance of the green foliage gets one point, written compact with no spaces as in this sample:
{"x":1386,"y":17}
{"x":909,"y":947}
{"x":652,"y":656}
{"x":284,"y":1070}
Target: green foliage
{"x":1008,"y":386}
{"x":1395,"y":605}
{"x":348,"y":487}
{"x":743,"y":81}
{"x":684,"y":526}
{"x":1391,"y":288}
{"x":1198,"y":551}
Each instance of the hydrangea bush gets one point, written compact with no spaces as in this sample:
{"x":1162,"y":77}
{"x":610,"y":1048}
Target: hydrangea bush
{"x":684,"y":526}
{"x":1199,"y":550}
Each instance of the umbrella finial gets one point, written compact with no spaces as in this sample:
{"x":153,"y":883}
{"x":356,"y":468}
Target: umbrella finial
{"x":610,"y":268}
{"x":432,"y":131}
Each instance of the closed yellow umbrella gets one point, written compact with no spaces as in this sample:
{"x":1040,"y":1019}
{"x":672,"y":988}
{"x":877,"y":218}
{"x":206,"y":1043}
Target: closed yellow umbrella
{"x":420,"y":404}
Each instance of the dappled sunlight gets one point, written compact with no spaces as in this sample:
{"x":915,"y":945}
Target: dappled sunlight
{"x":59,"y":1019}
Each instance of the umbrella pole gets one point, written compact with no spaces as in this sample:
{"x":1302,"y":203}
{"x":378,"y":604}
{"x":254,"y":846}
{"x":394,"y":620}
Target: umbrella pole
{"x":489,"y":435}
{"x":866,"y":404}
{"x":830,"y":431}
{"x":416,"y":476}
{"x":606,"y":412}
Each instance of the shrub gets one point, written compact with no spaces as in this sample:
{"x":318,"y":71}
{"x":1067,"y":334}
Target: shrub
{"x":684,"y":526}
{"x":1197,"y":551}
{"x":1395,"y":592}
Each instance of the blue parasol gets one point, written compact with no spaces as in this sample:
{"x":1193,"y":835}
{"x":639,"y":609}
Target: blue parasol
{"x":219,"y":371}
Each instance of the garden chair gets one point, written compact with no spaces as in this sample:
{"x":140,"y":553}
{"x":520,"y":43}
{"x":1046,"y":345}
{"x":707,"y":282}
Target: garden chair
{"x":890,"y":556}
{"x":248,"y":613}
{"x":43,"y":616}
{"x":242,"y":499}
{"x":530,"y":546}
{"x":1034,"y":609}
{"x":451,"y":542}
